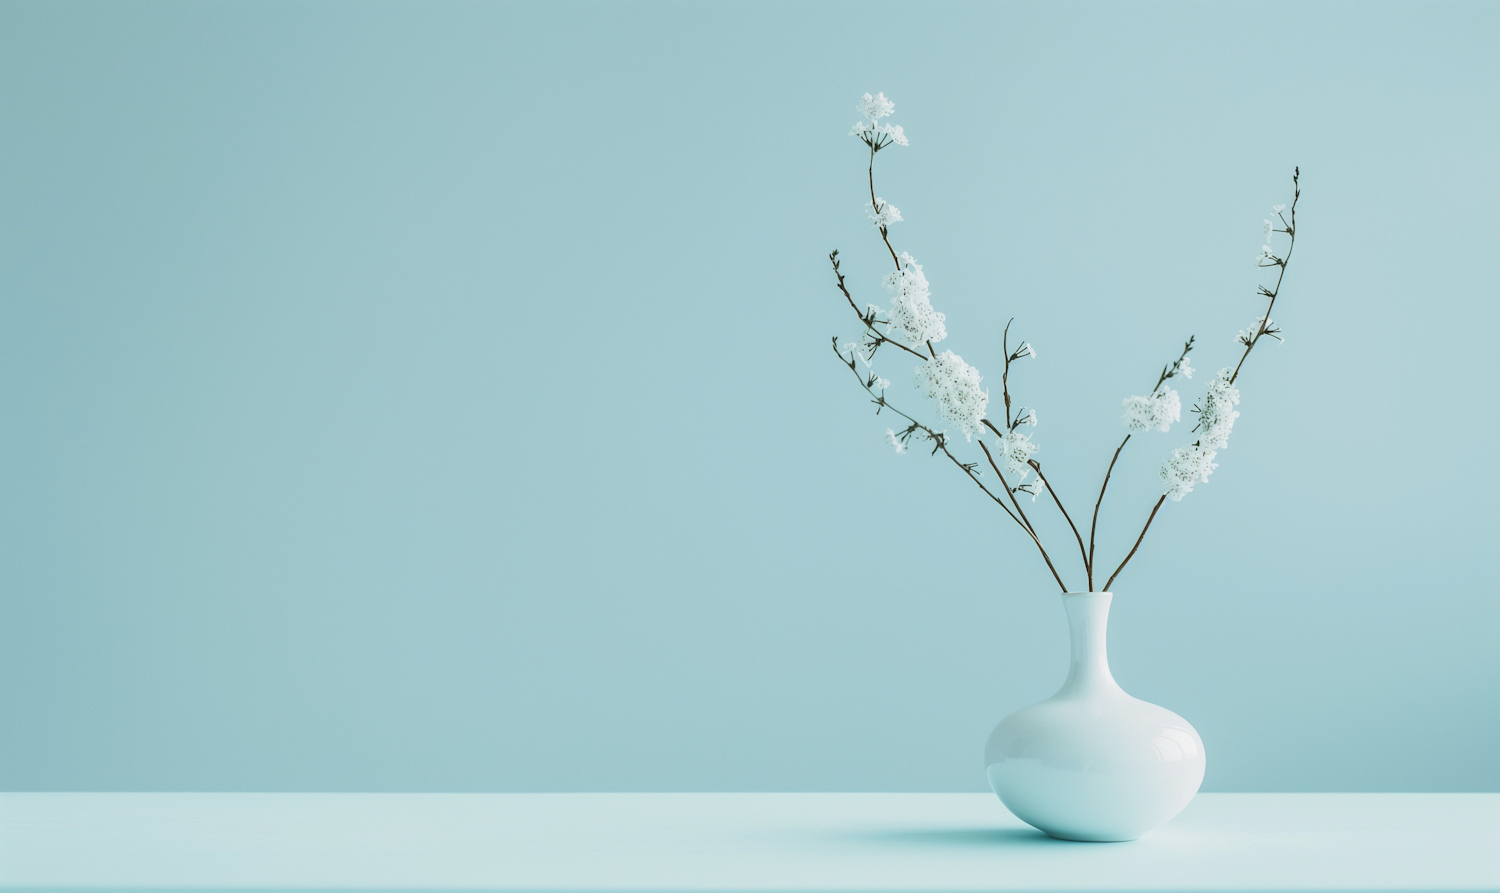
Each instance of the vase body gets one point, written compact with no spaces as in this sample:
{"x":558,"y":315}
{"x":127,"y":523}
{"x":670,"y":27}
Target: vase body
{"x":1091,"y":762}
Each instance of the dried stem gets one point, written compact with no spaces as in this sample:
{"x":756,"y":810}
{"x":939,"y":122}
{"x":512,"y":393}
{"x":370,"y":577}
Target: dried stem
{"x":1094,"y":525}
{"x":1005,"y":375}
{"x":884,"y":237}
{"x":1034,"y":535}
{"x":1137,"y":545}
{"x":1037,"y":467}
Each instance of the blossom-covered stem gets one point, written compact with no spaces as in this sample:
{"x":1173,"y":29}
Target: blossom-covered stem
{"x":869,"y":321}
{"x":1094,"y":525}
{"x":1037,"y":467}
{"x":1137,"y":545}
{"x":1291,"y":231}
{"x":874,"y":203}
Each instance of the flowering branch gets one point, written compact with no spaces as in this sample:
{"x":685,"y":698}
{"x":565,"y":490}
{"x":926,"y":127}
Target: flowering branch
{"x":869,"y":317}
{"x":1269,"y":259}
{"x":911,"y":324}
{"x":940,"y":443}
{"x":1180,"y":366}
{"x":1195,"y":462}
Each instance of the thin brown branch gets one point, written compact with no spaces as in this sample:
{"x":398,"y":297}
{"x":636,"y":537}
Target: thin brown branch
{"x":885,"y":238}
{"x":1094,"y":525}
{"x":1022,"y":512}
{"x":881,"y":337}
{"x":1005,"y":375}
{"x":1137,"y":545}
{"x":1291,"y":231}
{"x":1037,"y":467}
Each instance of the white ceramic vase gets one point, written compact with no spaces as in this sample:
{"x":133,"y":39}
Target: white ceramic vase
{"x":1091,"y":762}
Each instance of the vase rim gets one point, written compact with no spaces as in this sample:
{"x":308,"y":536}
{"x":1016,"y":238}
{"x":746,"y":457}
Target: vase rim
{"x":1088,"y":592}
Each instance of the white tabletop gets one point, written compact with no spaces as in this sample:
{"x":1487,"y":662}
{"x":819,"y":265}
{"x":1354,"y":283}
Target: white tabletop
{"x":734,"y":842}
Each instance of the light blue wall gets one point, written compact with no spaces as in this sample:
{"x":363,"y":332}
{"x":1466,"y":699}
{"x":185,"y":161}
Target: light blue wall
{"x":426,"y":396}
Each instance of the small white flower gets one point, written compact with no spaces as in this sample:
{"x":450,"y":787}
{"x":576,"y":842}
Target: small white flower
{"x":1275,"y":209}
{"x":1185,"y":367}
{"x":1270,"y":228}
{"x":1260,"y":326}
{"x":1028,"y":350}
{"x":857,"y":350}
{"x":882,"y":213}
{"x":893,"y":131}
{"x":1035,"y":488}
{"x":882,"y":383}
{"x":893,"y":440}
{"x":872,"y":310}
{"x":954,"y":384}
{"x":1017,"y":449}
{"x":1266,"y":254}
{"x":1028,"y":419}
{"x":874,"y":107}
{"x":860,"y":128}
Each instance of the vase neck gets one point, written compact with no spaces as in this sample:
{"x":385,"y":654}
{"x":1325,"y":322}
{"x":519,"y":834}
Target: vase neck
{"x":1088,"y":670}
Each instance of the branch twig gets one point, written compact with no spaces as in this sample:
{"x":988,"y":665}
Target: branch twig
{"x":1094,"y":525}
{"x":1137,"y":543}
{"x":1037,"y":467}
{"x":1291,"y":231}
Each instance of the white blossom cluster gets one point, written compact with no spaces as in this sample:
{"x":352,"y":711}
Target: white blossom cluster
{"x":1159,"y":410}
{"x":954,"y":384}
{"x":911,"y":314}
{"x":1216,"y":417}
{"x":1187,"y":466}
{"x":882,"y":213}
{"x":893,"y":440}
{"x":1016,"y":449}
{"x":1192,"y":464}
{"x":876,"y":107}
